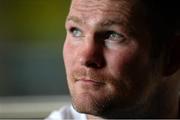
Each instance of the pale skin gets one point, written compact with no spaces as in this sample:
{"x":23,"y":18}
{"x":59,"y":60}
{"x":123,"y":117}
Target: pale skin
{"x":108,"y":64}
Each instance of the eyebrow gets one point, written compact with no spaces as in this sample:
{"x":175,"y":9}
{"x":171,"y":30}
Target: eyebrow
{"x":75,"y":19}
{"x":108,"y":23}
{"x":105,"y":23}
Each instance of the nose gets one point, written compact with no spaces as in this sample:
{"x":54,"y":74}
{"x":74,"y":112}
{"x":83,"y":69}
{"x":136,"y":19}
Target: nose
{"x":92,"y":55}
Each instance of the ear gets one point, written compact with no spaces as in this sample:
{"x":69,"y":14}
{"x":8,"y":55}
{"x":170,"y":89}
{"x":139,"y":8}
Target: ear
{"x":172,"y":62}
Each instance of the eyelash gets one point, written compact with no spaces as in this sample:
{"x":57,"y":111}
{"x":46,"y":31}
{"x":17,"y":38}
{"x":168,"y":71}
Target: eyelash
{"x":72,"y":29}
{"x":108,"y":36}
{"x":118,"y":37}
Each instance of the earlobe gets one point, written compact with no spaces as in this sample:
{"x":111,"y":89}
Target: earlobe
{"x":172,"y":62}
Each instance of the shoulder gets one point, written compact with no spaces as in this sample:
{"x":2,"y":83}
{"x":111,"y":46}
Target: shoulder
{"x":66,"y":112}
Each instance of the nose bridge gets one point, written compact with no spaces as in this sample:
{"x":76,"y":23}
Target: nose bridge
{"x":91,"y":53}
{"x":90,"y":47}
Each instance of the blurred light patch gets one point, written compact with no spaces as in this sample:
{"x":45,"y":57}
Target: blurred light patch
{"x":31,"y":39}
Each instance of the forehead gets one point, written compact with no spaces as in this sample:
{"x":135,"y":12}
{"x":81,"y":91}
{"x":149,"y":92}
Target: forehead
{"x":119,"y":10}
{"x":104,"y":8}
{"x":102,"y":5}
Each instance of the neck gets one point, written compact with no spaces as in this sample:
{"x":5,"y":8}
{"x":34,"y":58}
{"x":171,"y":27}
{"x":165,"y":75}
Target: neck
{"x":164,"y":104}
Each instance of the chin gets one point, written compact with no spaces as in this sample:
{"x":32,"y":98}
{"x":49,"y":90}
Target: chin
{"x":108,"y":108}
{"x":90,"y":104}
{"x":99,"y":105}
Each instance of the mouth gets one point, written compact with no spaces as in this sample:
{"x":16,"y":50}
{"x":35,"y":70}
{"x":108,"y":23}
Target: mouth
{"x":90,"y":82}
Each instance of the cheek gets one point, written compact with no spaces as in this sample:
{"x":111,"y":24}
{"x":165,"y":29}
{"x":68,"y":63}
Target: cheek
{"x":127,"y":66}
{"x":135,"y":56}
{"x":68,"y":55}
{"x":130,"y":68}
{"x":118,"y":61}
{"x":68,"y":61}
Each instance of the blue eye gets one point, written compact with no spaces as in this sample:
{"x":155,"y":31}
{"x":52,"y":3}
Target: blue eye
{"x":76,"y":32}
{"x":114,"y":37}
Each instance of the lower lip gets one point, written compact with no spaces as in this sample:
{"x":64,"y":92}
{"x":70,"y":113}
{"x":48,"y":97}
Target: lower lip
{"x":90,"y":82}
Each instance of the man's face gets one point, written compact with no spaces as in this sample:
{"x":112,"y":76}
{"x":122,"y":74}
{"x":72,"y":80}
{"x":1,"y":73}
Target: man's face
{"x":106,"y":55}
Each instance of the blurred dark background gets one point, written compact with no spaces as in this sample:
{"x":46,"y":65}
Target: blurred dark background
{"x":31,"y":39}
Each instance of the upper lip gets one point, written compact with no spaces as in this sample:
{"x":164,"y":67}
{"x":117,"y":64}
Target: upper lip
{"x":90,"y":80}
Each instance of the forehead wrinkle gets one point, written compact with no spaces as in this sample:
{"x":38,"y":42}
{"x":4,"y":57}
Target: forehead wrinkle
{"x":118,"y":7}
{"x":117,"y":17}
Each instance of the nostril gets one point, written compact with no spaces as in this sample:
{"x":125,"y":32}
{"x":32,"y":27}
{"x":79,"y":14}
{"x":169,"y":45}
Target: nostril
{"x":92,"y":64}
